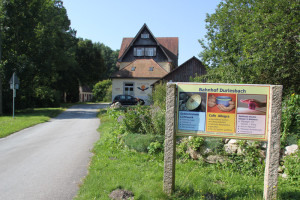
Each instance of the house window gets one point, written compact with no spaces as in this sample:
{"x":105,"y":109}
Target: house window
{"x":150,"y":51}
{"x":139,"y":51}
{"x":151,"y":69}
{"x":128,"y":89}
{"x":132,"y":68}
{"x":145,"y":35}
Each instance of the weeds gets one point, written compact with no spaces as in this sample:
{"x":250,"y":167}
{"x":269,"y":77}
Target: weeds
{"x":115,"y":165}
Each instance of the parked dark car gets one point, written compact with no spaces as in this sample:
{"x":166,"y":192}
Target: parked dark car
{"x":128,"y":100}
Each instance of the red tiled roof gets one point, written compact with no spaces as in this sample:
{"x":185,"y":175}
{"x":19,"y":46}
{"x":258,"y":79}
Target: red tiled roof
{"x":125,"y":43}
{"x":141,"y":70}
{"x":170,"y":43}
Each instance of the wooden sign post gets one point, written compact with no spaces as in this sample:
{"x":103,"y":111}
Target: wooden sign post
{"x":170,"y":140}
{"x":251,"y":112}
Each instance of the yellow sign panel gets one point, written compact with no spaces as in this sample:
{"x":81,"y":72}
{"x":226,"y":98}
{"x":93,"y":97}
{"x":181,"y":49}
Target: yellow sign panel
{"x":220,"y":123}
{"x":223,"y":110}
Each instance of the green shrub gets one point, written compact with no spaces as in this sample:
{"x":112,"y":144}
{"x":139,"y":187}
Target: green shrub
{"x":158,"y":119}
{"x":140,"y":119}
{"x":155,"y":147}
{"x":215,"y":144}
{"x":115,"y":114}
{"x":142,"y":143}
{"x":159,"y":95}
{"x":142,"y":122}
{"x":131,"y":121}
{"x":290,"y":120}
{"x":108,"y":95}
{"x":144,"y":115}
{"x":195,"y":143}
{"x":292,"y":168}
{"x":181,"y":148}
{"x":249,"y":162}
{"x":138,"y":127}
{"x":46,"y":97}
{"x":101,"y":89}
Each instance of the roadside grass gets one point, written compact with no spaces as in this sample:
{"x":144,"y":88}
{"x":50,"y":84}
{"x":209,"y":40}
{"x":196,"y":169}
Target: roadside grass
{"x":27,"y":118}
{"x":112,"y":168}
{"x":115,"y":167}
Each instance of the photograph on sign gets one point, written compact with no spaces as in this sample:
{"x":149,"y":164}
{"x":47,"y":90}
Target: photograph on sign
{"x":251,"y":114}
{"x":252,"y":104}
{"x":192,"y":107}
{"x":223,"y":110}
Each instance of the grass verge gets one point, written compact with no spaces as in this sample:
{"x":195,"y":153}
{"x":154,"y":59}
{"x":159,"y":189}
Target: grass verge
{"x":27,"y":118}
{"x":113,"y":167}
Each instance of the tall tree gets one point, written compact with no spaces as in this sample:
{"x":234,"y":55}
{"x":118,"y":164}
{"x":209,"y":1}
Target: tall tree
{"x":110,"y":59}
{"x":91,"y":63}
{"x":39,"y":45}
{"x":1,"y":15}
{"x":254,"y":41}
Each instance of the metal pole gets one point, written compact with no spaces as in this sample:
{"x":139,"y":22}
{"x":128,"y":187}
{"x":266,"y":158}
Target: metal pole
{"x":13,"y":95}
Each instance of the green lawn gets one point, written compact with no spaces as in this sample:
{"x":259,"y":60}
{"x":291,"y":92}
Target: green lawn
{"x":114,"y":167}
{"x":26,"y":118}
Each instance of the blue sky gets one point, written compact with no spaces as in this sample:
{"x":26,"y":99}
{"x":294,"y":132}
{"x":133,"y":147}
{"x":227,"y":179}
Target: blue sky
{"x":108,"y":21}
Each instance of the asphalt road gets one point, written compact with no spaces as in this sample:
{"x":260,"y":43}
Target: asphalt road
{"x":49,"y":160}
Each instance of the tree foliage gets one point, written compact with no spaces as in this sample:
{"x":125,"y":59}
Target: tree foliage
{"x":110,"y":59}
{"x":89,"y":58}
{"x":158,"y":96}
{"x":254,"y":41}
{"x":100,"y":89}
{"x":37,"y":43}
{"x":41,"y":47}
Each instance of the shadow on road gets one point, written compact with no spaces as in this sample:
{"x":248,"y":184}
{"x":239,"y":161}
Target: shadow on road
{"x":82,"y":111}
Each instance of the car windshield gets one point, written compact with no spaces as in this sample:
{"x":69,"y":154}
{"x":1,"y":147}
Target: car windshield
{"x":129,"y":97}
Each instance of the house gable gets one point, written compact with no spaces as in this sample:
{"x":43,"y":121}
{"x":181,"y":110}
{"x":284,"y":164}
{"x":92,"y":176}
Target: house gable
{"x":169,"y":43}
{"x":145,"y":46}
{"x":145,"y":38}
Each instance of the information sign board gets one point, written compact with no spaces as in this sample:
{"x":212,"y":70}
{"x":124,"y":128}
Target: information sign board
{"x":223,"y":110}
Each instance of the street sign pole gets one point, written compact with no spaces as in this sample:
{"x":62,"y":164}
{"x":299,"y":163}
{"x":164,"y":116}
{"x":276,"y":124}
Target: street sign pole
{"x":14,"y":95}
{"x":14,"y":85}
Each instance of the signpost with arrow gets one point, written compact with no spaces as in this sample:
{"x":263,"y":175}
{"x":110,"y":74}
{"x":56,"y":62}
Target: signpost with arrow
{"x":14,"y":85}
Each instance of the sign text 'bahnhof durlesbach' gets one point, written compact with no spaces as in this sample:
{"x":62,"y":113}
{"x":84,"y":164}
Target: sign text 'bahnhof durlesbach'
{"x":223,"y":110}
